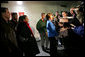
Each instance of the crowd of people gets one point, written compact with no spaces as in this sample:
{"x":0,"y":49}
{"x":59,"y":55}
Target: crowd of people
{"x":66,"y":28}
{"x":17,"y":37}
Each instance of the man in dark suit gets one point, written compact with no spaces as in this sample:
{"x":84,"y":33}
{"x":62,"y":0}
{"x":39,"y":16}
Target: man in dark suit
{"x":8,"y":43}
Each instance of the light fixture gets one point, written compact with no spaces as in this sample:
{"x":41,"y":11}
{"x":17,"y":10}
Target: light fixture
{"x":19,"y":2}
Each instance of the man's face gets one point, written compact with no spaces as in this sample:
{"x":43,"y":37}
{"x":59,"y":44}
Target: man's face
{"x":43,"y":16}
{"x":71,"y":11}
{"x":7,"y":14}
{"x":51,"y":17}
{"x":16,"y":16}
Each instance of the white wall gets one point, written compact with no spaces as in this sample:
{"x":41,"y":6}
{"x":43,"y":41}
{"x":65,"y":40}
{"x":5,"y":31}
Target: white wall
{"x":33,"y":10}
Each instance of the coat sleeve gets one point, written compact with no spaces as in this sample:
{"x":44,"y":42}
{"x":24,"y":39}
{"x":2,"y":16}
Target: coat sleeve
{"x":38,"y":26}
{"x":50,"y":27}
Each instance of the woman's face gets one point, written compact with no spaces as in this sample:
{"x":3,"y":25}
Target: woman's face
{"x":16,"y":16}
{"x":26,"y":19}
{"x":64,"y":14}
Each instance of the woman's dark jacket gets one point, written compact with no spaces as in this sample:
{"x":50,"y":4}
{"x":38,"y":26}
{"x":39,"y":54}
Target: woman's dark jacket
{"x":26,"y":41}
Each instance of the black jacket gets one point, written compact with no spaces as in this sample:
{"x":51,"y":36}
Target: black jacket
{"x":8,"y":43}
{"x":26,"y":42}
{"x":73,"y":44}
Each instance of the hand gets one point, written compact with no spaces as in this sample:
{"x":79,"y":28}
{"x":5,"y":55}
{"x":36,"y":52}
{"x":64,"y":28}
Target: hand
{"x":72,"y":25}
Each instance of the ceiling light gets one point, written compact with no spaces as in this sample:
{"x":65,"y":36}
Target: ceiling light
{"x":19,"y":2}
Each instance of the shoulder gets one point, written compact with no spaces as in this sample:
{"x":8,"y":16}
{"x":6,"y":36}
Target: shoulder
{"x":39,"y":21}
{"x":48,"y":22}
{"x":22,"y":24}
{"x":10,"y":21}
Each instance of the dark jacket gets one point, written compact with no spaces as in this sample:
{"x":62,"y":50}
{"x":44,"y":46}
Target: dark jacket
{"x":41,"y":26}
{"x":74,"y":21}
{"x":26,"y":42}
{"x":72,"y":43}
{"x":13,"y":24}
{"x":8,"y":43}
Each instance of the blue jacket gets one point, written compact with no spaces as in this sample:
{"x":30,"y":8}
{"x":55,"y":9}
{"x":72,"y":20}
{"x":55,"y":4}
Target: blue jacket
{"x":51,"y":29}
{"x":79,"y":30}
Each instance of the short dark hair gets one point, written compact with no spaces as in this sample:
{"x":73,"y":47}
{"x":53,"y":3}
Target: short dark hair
{"x":3,"y":9}
{"x":13,"y":13}
{"x":65,"y":12}
{"x":42,"y":14}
